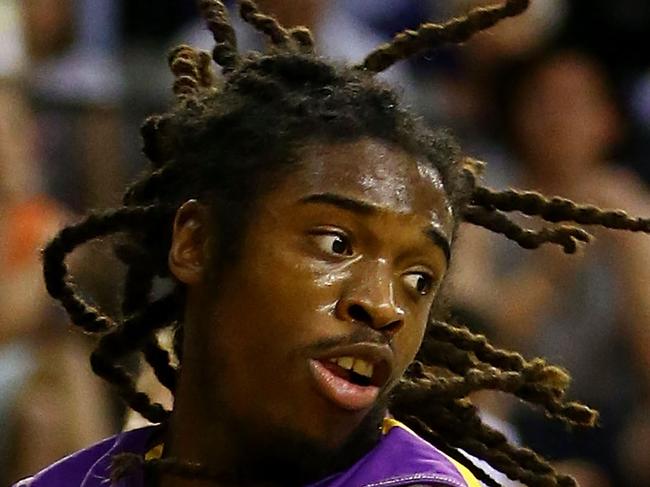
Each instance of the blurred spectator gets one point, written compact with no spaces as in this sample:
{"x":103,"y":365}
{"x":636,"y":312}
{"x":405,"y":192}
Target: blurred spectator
{"x":614,"y":33}
{"x":633,"y":453}
{"x":638,"y":92}
{"x":590,"y":312}
{"x":71,"y":46}
{"x":46,"y":411}
{"x":520,"y":36}
{"x":455,"y":84}
{"x":76,"y":84}
{"x":12,"y":48}
{"x":27,"y":215}
{"x":611,"y":31}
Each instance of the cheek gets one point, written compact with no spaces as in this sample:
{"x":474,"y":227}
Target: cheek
{"x":278,"y":305}
{"x":408,"y":341}
{"x":279,"y":297}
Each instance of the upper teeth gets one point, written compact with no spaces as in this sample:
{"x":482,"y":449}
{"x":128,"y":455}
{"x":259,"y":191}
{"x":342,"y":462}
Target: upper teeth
{"x":358,"y":365}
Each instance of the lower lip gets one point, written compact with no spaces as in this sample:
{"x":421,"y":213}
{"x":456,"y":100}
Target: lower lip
{"x":341,"y":392}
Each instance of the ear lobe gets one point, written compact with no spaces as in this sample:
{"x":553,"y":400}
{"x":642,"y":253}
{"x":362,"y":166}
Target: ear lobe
{"x":189,"y":251}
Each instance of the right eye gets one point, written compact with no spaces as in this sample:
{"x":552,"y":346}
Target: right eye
{"x":334,"y":243}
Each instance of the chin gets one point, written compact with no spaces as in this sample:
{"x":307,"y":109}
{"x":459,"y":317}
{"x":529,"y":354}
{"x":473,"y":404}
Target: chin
{"x":291,"y":456}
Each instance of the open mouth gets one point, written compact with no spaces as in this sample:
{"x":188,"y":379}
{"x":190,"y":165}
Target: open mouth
{"x":355,"y":370}
{"x":351,"y":383}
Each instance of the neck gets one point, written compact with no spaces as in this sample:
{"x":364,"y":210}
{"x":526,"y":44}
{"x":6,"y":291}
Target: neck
{"x":201,"y":438}
{"x":219,"y":444}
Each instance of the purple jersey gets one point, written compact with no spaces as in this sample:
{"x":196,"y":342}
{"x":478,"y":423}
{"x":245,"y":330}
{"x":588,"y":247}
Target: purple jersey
{"x":400,"y":458}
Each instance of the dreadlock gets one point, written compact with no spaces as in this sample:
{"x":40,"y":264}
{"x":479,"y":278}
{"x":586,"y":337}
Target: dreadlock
{"x":431,"y":36}
{"x":258,"y":108}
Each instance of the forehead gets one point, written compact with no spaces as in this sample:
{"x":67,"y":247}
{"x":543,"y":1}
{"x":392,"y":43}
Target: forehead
{"x":374,"y":171}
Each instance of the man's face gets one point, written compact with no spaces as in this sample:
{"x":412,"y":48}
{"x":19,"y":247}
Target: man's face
{"x":337,"y":270}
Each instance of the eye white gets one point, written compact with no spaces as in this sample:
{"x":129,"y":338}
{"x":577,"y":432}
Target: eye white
{"x":334,"y":244}
{"x":418,"y":282}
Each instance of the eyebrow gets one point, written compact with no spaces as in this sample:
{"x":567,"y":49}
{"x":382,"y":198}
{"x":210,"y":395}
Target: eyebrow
{"x":364,"y":208}
{"x":342,"y":202}
{"x":439,"y":239}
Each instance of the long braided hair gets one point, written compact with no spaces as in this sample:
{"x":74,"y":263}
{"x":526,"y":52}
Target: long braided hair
{"x":225,"y":138}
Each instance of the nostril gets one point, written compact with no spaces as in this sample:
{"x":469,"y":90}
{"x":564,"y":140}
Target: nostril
{"x":393,"y":327}
{"x":359,"y":313}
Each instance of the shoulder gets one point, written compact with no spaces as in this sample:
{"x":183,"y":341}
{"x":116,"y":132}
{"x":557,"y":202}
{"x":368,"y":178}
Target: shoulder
{"x":89,"y":467}
{"x":403,"y":458}
{"x":437,"y":467}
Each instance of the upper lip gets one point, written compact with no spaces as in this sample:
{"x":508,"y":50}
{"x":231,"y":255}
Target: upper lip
{"x":380,"y":356}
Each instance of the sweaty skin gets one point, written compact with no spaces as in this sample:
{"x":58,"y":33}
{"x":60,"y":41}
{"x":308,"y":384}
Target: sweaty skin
{"x":349,"y":246}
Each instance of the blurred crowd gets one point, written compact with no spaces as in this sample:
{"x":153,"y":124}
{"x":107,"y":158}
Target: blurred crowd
{"x":557,"y":100}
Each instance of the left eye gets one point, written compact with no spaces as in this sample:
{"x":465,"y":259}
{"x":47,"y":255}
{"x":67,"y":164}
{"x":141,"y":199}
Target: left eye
{"x":419,"y":282}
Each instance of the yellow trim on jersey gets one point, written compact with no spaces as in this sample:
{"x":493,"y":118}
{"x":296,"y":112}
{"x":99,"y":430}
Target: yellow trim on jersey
{"x":472,"y":481}
{"x":390,"y":423}
{"x":464,"y":471}
{"x":155,"y":453}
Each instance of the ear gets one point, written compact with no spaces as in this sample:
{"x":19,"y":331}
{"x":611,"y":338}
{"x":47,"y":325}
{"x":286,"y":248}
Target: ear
{"x":190,"y":248}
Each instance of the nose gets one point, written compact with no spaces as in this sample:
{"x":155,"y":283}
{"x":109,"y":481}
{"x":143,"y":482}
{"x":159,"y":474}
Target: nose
{"x":372,"y":303}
